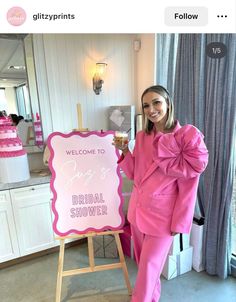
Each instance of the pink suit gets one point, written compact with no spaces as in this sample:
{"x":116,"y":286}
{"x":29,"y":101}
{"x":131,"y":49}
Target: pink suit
{"x":165,"y":169}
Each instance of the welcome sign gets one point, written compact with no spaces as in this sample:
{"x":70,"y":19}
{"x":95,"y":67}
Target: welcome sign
{"x":86,"y":182}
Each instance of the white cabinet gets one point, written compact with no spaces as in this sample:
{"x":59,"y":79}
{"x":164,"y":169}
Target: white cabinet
{"x":9,"y":248}
{"x":26,"y":221}
{"x":33,"y":218}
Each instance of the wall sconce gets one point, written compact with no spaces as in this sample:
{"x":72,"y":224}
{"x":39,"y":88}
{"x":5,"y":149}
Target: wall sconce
{"x":98,"y":77}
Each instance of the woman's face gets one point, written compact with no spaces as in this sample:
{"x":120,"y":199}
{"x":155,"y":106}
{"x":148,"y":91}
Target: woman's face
{"x":155,"y":107}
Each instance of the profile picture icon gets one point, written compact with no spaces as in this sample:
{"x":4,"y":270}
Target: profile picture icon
{"x":16,"y":16}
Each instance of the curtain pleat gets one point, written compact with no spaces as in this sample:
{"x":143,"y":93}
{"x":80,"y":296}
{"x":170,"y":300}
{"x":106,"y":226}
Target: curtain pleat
{"x":205,"y":95}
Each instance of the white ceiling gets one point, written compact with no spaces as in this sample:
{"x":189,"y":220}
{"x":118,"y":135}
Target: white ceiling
{"x":11,"y":54}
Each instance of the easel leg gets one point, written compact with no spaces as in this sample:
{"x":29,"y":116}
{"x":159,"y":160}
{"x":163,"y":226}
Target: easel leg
{"x":91,"y":253}
{"x":60,"y":270}
{"x":123,"y":263}
{"x":92,"y":267}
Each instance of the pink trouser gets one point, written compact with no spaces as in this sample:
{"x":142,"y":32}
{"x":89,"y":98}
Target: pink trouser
{"x":150,"y":253}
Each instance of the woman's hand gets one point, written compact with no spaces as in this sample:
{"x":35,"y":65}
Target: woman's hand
{"x":121,"y":145}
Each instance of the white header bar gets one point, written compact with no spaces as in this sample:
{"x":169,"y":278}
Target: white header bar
{"x":124,"y":16}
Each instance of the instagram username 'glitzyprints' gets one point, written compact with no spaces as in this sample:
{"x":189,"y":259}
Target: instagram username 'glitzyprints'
{"x":53,"y":17}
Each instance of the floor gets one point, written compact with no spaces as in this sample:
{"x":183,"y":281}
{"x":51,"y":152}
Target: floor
{"x":35,"y":281}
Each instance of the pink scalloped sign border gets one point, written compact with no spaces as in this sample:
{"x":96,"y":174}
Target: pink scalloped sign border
{"x":86,"y":182}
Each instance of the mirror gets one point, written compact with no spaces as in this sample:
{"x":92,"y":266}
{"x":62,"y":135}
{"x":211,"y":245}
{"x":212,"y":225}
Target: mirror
{"x":18,"y":89}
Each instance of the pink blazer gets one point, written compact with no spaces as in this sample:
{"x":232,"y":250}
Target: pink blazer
{"x":165,"y":169}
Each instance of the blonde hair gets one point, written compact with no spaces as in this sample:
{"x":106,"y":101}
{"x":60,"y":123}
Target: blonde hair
{"x":148,"y":125}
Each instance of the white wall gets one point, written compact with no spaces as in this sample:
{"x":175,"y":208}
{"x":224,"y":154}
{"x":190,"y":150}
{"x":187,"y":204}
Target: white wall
{"x":145,"y":65}
{"x":65,"y":64}
{"x":11,"y":100}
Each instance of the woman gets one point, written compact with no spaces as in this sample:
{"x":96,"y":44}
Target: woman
{"x":24,"y":128}
{"x":15,"y":119}
{"x":165,"y":166}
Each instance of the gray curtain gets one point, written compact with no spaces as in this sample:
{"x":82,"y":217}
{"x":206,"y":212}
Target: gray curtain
{"x":166,"y":60}
{"x":204,"y":92}
{"x":205,"y":95}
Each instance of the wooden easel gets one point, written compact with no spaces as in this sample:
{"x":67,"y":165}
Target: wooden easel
{"x":92,"y":267}
{"x":80,"y":120}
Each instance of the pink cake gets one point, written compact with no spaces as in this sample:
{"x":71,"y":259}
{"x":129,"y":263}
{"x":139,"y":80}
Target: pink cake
{"x":5,"y":121}
{"x":10,"y":144}
{"x":38,"y":131}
